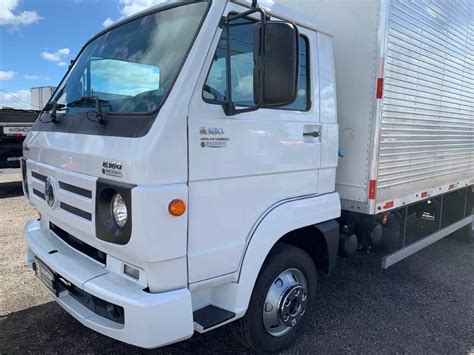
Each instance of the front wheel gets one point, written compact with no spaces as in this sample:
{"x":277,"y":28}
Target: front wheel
{"x":281,"y":300}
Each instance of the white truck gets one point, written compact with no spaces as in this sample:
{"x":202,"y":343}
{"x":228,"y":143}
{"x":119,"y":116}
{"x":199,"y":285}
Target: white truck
{"x":186,"y":168}
{"x":40,"y":95}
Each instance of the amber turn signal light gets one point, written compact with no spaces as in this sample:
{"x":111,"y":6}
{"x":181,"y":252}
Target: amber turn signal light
{"x":177,"y":208}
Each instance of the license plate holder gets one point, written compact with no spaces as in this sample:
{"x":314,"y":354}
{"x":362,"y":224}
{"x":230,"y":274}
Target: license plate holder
{"x":46,"y":275}
{"x":9,"y":159}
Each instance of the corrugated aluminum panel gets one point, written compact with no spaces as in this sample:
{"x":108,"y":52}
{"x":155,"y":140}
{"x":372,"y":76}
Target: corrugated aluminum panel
{"x":427,"y":118}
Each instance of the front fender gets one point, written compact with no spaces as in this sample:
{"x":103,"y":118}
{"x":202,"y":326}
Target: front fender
{"x":280,"y":220}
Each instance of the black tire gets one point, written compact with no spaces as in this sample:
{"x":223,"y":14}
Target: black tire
{"x":250,"y":330}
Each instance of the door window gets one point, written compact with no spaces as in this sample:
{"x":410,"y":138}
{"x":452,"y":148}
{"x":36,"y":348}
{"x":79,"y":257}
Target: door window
{"x":242,"y":69}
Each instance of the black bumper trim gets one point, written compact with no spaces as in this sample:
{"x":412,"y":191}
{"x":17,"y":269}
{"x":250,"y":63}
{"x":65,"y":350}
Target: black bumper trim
{"x":78,"y":244}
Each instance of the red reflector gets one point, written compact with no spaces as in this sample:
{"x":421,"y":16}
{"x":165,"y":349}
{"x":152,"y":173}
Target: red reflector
{"x":388,"y":204}
{"x":424,"y":194}
{"x":451,"y":187}
{"x":372,"y":188}
{"x":379,"y":93}
{"x":18,"y":134}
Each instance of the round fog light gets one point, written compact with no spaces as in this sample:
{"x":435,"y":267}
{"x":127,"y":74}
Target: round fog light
{"x":119,"y":210}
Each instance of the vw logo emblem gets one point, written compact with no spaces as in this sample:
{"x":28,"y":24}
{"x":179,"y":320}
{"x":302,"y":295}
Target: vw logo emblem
{"x":49,"y":191}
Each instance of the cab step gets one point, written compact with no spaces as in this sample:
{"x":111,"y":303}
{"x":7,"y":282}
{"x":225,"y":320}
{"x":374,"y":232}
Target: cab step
{"x":210,"y":316}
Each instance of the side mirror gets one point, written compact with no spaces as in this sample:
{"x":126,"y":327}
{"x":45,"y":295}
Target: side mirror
{"x":276,"y":62}
{"x":280,"y":63}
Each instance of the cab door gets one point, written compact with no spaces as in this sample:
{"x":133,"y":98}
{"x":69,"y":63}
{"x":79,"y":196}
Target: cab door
{"x":241,"y":166}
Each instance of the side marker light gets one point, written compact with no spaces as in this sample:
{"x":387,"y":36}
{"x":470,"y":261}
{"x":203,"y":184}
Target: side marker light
{"x":177,"y":208}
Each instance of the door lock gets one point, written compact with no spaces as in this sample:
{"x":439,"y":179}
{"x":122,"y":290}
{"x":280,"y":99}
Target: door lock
{"x":313,"y":134}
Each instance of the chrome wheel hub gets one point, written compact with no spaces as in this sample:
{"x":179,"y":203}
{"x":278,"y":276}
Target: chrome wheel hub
{"x":285,"y":303}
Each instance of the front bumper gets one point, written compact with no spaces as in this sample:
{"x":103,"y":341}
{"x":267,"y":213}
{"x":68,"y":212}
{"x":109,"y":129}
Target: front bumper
{"x":150,"y":320}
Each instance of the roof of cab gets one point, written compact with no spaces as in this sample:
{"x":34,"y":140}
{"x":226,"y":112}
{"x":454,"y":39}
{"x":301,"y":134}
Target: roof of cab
{"x":271,"y":8}
{"x":166,"y":4}
{"x":285,"y":13}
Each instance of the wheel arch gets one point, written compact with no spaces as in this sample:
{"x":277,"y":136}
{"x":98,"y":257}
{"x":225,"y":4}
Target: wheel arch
{"x":291,"y":222}
{"x":320,"y":241}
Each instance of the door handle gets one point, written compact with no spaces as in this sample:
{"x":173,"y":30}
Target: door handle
{"x":314,"y":134}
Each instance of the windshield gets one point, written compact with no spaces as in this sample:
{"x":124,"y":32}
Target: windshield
{"x":133,"y":67}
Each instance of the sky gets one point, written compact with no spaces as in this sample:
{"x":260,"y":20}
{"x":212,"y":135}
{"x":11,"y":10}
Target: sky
{"x":38,"y":38}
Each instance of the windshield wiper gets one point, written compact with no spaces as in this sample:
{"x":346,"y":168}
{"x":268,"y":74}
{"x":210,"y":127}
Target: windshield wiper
{"x":98,"y":110}
{"x":52,"y":107}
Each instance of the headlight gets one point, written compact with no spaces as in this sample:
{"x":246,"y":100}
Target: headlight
{"x":113,"y":211}
{"x":119,"y":211}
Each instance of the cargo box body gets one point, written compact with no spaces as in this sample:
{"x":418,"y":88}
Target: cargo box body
{"x":405,"y":89}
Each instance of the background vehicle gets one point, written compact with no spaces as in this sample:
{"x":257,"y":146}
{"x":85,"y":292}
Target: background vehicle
{"x":14,"y":126}
{"x":185,"y":173}
{"x":40,"y":95}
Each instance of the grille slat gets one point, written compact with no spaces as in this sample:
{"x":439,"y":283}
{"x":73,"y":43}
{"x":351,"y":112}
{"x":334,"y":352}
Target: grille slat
{"x":76,"y":211}
{"x":39,"y":194}
{"x":75,"y":189}
{"x":38,"y":176}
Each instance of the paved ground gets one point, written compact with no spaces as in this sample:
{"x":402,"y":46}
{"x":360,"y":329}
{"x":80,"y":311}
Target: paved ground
{"x":425,"y":304}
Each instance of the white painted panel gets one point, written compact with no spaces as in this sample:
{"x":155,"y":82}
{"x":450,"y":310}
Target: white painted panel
{"x":222,"y":212}
{"x":265,"y":159}
{"x":354,"y":25}
{"x":420,"y":136}
{"x":327,"y":80}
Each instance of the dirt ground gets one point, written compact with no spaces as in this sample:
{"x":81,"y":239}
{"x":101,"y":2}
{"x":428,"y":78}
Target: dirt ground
{"x":424,"y":304}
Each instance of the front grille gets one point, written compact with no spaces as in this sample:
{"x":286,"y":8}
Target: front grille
{"x":79,"y":245}
{"x":73,"y":198}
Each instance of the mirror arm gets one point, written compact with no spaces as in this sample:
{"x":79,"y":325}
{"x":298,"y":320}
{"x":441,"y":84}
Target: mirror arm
{"x":228,"y":19}
{"x":71,"y":63}
{"x":229,"y":106}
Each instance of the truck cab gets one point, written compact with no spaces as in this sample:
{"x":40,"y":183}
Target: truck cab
{"x":184,"y":175}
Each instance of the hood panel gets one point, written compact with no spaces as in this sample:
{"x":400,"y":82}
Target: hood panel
{"x":129,"y":160}
{"x":82,"y":153}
